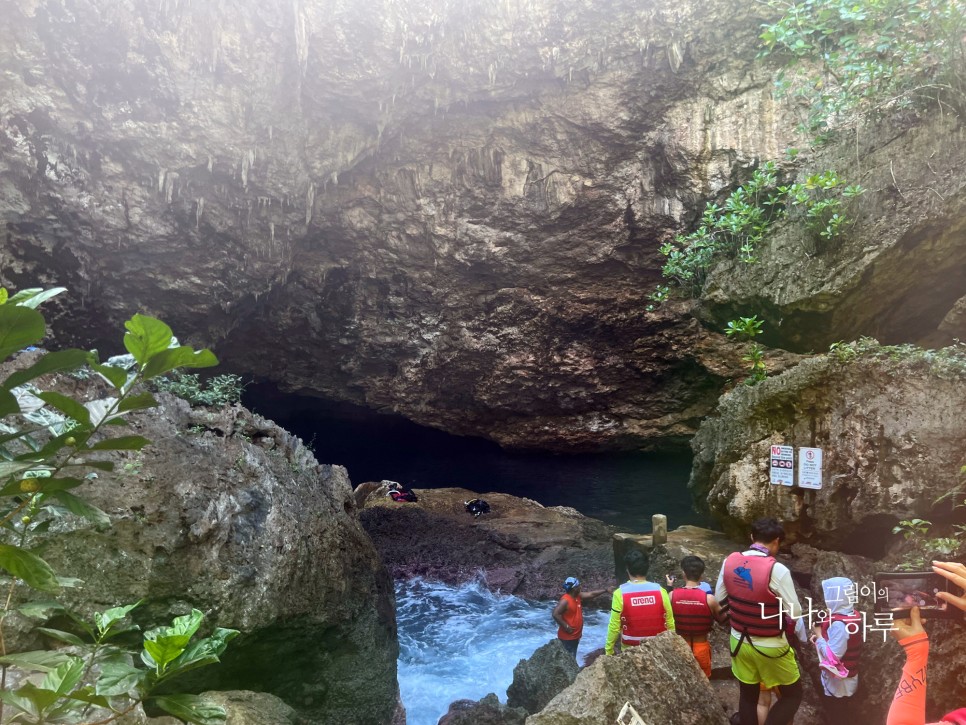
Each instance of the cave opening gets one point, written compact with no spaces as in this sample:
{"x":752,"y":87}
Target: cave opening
{"x":622,"y":489}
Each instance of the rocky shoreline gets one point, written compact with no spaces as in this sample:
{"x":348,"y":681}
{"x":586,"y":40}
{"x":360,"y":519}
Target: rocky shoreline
{"x":526,"y":549}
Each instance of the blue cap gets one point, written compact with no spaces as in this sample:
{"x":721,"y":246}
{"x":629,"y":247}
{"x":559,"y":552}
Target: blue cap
{"x":570,"y":582}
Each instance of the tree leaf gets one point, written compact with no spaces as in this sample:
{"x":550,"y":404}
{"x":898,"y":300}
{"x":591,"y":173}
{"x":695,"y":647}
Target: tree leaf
{"x":37,"y":661}
{"x":34,"y":296}
{"x":118,"y":678}
{"x":65,"y":677}
{"x":61,"y":636}
{"x":8,"y":403}
{"x":146,"y":337}
{"x":80,"y":507}
{"x":44,"y":485}
{"x":116,"y":376}
{"x":178,"y":357}
{"x":12,"y":468}
{"x":41,"y":610}
{"x":191,"y":708}
{"x":52,"y":362}
{"x":109,"y":617}
{"x":67,"y":406}
{"x":19,"y":327}
{"x":86,"y":694}
{"x":29,"y":567}
{"x":137,"y":402}
{"x":121,"y":443}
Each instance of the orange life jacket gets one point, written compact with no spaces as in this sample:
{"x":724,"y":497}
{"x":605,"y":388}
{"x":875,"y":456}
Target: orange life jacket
{"x":574,"y":616}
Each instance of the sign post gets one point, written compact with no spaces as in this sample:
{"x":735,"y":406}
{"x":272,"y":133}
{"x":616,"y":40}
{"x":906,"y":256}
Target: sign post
{"x":810,"y":467}
{"x":782,"y":472}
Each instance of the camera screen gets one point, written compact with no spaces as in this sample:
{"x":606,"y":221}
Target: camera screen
{"x":913,"y":590}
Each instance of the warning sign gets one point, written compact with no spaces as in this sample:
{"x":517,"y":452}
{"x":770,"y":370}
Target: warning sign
{"x":782,"y":465}
{"x":810,"y":467}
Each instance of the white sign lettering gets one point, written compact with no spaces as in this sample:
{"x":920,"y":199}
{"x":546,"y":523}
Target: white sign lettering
{"x":810,"y":467}
{"x":644,"y":601}
{"x":782,"y":471}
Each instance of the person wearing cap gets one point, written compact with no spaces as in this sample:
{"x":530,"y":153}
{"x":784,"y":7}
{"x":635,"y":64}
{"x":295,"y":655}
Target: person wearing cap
{"x":569,"y":614}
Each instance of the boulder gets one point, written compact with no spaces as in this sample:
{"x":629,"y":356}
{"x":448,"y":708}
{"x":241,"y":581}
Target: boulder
{"x":660,"y":679}
{"x":889,"y":420}
{"x":537,"y":680}
{"x":488,"y":711}
{"x":520,"y":546}
{"x":253,"y":708}
{"x":227,"y":513}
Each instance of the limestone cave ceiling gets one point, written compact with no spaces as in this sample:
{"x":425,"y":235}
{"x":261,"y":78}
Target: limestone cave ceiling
{"x":448,"y":209}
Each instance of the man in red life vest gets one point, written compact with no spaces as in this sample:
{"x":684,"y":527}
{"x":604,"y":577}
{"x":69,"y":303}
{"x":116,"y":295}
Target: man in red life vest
{"x":758,"y":594}
{"x":695,"y":611}
{"x":639,"y":609}
{"x":569,"y":614}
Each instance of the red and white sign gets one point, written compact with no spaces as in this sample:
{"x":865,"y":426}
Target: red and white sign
{"x":782,"y":470}
{"x":810,"y":467}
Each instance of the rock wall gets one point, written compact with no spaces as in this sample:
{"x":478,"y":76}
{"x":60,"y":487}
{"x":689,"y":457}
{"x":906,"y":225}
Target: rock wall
{"x":898,"y":273}
{"x":889,"y":420}
{"x":227,"y":513}
{"x":447,"y":210}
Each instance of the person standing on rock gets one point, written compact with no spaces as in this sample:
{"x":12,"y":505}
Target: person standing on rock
{"x":569,"y":614}
{"x":695,"y":611}
{"x":758,"y":594}
{"x":639,"y":609}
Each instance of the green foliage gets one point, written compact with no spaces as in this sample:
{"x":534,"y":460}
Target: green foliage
{"x":736,"y":229}
{"x":120,"y":684}
{"x":912,"y":528}
{"x":221,"y":390}
{"x":848,"y":58}
{"x":51,"y":444}
{"x":948,"y":363}
{"x":746,"y":329}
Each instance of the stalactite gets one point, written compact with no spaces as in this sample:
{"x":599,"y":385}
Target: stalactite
{"x":301,"y":37}
{"x":309,"y":203}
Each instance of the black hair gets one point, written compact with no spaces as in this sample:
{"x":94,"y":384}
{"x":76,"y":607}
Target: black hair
{"x":766,"y":530}
{"x":693,"y":567}
{"x":635,"y":562}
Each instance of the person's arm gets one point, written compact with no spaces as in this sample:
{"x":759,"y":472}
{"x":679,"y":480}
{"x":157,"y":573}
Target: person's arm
{"x":614,"y":626}
{"x":668,"y":613}
{"x":783,"y":587}
{"x":715,"y":609}
{"x":558,"y":615}
{"x":592,"y":595}
{"x":956,"y":573}
{"x":909,"y":703}
{"x":838,"y":638}
{"x":721,"y":594}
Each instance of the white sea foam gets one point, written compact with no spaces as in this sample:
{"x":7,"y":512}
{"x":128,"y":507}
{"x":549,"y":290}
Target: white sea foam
{"x":463,"y":642}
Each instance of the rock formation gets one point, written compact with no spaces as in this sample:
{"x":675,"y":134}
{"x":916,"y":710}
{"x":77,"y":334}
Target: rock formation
{"x":890,"y":421}
{"x":660,"y":679}
{"x":229,"y":514}
{"x":538,"y":679}
{"x":897,"y":274}
{"x":520,"y":547}
{"x":447,"y":210}
{"x":488,"y":711}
